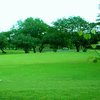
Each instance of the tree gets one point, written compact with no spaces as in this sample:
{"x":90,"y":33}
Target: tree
{"x":24,"y":42}
{"x":3,"y":42}
{"x":54,"y":38}
{"x":9,"y":36}
{"x":70,"y":27}
{"x":35,"y":43}
{"x":34,"y":27}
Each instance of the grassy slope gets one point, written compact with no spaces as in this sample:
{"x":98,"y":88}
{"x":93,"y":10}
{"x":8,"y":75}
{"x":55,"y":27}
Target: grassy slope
{"x":49,"y":76}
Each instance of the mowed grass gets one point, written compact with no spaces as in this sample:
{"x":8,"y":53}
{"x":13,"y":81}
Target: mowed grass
{"x":49,"y":76}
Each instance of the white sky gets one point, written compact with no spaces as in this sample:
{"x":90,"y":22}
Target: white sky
{"x":49,"y":10}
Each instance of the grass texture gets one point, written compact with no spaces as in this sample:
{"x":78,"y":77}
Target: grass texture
{"x":49,"y":76}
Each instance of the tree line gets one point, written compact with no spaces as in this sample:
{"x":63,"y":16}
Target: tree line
{"x":72,"y":33}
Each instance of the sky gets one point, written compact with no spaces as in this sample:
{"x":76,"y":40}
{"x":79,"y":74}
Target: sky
{"x":48,"y":10}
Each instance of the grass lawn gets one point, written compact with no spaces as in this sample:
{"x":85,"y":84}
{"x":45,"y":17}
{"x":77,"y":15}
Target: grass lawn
{"x":49,"y":76}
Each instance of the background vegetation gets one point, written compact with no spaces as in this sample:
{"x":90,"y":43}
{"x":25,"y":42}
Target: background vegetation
{"x":34,"y":34}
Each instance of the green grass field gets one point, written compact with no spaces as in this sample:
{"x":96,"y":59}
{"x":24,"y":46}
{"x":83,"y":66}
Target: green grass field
{"x":49,"y":76}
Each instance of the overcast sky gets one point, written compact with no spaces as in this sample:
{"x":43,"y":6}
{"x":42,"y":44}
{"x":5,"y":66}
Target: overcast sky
{"x":48,"y":10}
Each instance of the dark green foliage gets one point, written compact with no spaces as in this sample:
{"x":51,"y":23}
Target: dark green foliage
{"x":72,"y":24}
{"x":24,"y":42}
{"x":3,"y":42}
{"x":70,"y":27}
{"x":55,"y":39}
{"x":32,"y":33}
{"x":35,"y":43}
{"x":34,"y":27}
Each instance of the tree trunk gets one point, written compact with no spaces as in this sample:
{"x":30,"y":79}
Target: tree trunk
{"x":3,"y":51}
{"x":77,"y":45}
{"x":84,"y":49}
{"x":34,"y":49}
{"x":77,"y":48}
{"x":55,"y":48}
{"x":26,"y":50}
{"x":84,"y":44}
{"x":41,"y":48}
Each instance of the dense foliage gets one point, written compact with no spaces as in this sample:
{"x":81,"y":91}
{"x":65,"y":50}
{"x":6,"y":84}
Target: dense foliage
{"x":34,"y":34}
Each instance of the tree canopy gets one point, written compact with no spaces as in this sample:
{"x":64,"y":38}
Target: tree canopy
{"x":34,"y":34}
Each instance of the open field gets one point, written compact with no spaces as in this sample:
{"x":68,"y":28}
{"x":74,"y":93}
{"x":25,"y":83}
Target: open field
{"x":49,"y":76}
